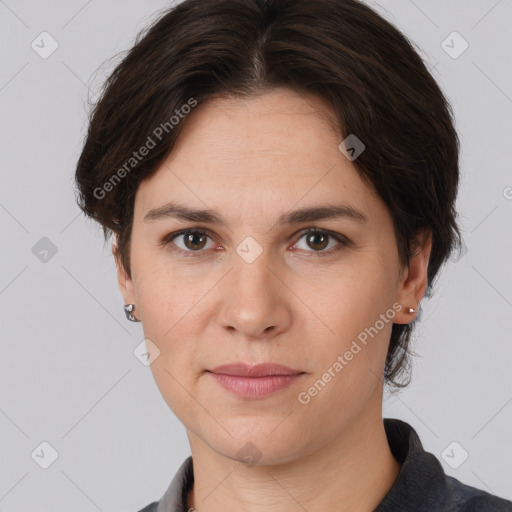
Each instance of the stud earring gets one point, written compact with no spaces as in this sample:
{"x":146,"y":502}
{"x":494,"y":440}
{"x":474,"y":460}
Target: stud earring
{"x":128,"y":308}
{"x":411,"y":311}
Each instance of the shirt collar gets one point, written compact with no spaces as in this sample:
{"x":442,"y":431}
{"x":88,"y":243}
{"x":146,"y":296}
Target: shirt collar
{"x":421,"y":484}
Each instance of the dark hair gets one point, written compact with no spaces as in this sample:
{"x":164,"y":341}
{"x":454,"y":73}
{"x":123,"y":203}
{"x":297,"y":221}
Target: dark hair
{"x":339,"y":50}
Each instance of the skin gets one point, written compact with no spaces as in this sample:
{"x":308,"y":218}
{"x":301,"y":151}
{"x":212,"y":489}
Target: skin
{"x":253,"y":160}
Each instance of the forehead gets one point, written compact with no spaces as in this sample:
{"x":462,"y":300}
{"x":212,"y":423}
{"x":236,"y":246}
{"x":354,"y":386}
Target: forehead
{"x":271,"y":151}
{"x":280,"y":122}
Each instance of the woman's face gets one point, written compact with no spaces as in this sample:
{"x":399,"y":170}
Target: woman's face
{"x":254,"y":289}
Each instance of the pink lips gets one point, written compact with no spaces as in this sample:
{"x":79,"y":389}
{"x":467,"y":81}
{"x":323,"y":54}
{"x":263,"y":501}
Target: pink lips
{"x":254,"y":381}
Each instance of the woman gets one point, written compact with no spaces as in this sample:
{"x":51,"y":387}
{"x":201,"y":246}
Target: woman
{"x":280,"y":178}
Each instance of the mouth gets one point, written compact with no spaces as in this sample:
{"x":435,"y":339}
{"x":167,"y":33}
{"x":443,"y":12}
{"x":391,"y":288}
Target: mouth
{"x":254,"y":381}
{"x":254,"y":370}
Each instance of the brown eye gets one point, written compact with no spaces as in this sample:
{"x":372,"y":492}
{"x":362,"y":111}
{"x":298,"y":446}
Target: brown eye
{"x":317,"y":240}
{"x":188,"y":241}
{"x":195,"y":240}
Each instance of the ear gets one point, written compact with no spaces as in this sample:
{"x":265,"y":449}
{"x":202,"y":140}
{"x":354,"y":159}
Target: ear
{"x":413,"y":282}
{"x":123,"y":279}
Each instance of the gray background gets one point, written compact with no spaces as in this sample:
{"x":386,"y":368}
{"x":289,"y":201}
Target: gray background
{"x":68,"y":375}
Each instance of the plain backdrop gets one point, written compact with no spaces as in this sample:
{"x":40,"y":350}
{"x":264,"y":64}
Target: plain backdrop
{"x":68,"y":375}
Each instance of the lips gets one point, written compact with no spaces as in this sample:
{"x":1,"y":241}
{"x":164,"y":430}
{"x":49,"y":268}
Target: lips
{"x":254,"y":381}
{"x":257,"y":370}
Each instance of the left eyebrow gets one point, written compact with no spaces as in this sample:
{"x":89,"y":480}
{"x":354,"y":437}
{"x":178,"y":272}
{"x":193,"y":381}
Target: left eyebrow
{"x":302,"y":215}
{"x":334,"y":211}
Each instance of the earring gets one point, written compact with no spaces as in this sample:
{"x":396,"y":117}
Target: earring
{"x":128,"y":308}
{"x":411,"y":311}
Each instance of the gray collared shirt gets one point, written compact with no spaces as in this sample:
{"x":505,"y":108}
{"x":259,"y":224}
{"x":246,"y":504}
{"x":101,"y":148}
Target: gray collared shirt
{"x":421,"y":485}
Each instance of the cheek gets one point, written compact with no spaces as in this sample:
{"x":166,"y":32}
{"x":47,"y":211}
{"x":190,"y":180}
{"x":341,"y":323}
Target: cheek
{"x":348,"y":370}
{"x":176,"y":369}
{"x":165,"y":293}
{"x":356,"y":307}
{"x":350,"y":299}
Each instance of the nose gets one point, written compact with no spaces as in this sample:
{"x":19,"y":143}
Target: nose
{"x":255,"y":301}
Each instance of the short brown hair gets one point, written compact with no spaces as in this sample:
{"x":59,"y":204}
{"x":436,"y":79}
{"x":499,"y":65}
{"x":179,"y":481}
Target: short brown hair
{"x":339,"y":50}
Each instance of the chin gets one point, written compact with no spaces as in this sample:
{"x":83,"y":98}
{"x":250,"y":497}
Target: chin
{"x":261,"y":447}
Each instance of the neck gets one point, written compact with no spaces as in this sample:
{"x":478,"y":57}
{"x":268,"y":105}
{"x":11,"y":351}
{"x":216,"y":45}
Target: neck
{"x":352,"y":472}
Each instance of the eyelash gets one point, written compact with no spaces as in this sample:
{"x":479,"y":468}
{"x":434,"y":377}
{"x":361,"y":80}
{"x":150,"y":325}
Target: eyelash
{"x":166,"y":241}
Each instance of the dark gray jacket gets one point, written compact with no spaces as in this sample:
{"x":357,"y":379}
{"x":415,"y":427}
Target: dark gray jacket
{"x":421,"y":485}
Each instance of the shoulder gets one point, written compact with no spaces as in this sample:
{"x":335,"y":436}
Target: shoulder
{"x":150,"y":508}
{"x":422,"y":484}
{"x":471,"y":499}
{"x":175,"y":497}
